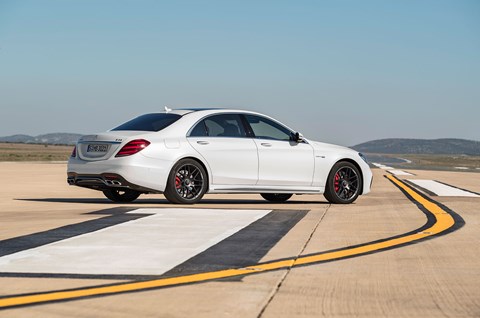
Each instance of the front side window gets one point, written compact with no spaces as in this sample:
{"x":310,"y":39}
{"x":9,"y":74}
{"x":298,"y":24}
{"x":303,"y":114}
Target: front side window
{"x":225,"y":125}
{"x":149,"y":122}
{"x":264,"y":128}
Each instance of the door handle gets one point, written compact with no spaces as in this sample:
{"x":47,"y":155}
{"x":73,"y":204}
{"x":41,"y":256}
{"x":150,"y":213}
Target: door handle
{"x":266,"y":144}
{"x":202,"y":142}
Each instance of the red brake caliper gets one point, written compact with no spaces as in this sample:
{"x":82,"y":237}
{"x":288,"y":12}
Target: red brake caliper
{"x":178,"y":182}
{"x":335,"y":183}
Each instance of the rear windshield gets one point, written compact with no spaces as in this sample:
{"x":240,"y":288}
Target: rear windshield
{"x":149,"y":122}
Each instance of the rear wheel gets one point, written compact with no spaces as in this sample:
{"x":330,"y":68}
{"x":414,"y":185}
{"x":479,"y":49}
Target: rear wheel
{"x":121,"y":195}
{"x":187,"y":182}
{"x":276,"y":197}
{"x":343,"y":184}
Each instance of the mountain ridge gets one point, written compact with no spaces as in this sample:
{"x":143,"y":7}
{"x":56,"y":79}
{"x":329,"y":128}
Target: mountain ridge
{"x":50,"y":139}
{"x":445,"y":146}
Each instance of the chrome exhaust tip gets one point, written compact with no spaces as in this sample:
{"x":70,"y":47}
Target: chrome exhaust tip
{"x":113,"y":183}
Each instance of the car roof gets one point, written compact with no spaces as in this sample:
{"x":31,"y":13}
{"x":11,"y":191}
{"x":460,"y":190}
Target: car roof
{"x":183,"y":111}
{"x":212,"y":110}
{"x":199,"y":109}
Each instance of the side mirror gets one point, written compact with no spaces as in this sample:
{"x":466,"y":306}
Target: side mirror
{"x":297,"y":137}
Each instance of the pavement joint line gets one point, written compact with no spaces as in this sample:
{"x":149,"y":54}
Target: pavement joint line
{"x":440,"y":221}
{"x":284,"y":276}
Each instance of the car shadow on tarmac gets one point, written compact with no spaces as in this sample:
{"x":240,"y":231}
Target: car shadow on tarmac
{"x":165,"y":202}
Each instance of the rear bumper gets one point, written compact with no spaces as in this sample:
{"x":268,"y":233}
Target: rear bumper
{"x":104,"y":181}
{"x":135,"y":172}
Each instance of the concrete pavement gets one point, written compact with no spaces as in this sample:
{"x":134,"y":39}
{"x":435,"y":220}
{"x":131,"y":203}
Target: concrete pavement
{"x":434,"y":277}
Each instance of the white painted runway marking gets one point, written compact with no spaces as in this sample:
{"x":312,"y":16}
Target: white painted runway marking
{"x":406,"y":160}
{"x":399,"y":172}
{"x":387,"y":168}
{"x":441,"y":189}
{"x":382,"y":166}
{"x":150,"y":245}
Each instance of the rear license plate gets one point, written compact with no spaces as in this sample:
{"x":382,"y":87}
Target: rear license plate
{"x":97,"y":148}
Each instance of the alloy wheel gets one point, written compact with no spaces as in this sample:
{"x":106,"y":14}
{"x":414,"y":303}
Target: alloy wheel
{"x":346,"y":183}
{"x":189,"y":181}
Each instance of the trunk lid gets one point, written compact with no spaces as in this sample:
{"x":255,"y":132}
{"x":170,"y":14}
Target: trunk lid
{"x":104,"y":145}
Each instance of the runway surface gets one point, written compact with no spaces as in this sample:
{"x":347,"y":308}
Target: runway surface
{"x":400,"y":251}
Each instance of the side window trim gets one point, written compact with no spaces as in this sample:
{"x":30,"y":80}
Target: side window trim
{"x":247,"y":127}
{"x":205,"y":128}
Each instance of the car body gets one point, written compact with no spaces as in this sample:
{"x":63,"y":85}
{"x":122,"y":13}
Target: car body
{"x":232,"y":151}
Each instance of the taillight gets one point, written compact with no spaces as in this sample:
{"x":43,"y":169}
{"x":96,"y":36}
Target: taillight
{"x":133,"y":147}
{"x":74,"y":152}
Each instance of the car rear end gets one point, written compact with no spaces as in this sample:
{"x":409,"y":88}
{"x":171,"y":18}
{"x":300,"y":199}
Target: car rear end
{"x":116,"y":159}
{"x":112,"y":160}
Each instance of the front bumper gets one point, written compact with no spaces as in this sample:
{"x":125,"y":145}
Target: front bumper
{"x":367,"y":177}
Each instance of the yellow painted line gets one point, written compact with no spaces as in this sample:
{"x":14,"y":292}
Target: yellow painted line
{"x":443,"y":221}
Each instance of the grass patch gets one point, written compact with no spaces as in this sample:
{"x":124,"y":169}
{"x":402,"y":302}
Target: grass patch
{"x":34,"y":152}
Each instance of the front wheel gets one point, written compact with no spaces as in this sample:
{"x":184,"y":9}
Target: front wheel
{"x":121,"y":196}
{"x":187,"y":182}
{"x":343,"y":184}
{"x":276,"y":197}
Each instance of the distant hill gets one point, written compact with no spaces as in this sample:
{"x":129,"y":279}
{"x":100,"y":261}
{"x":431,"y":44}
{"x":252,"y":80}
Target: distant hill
{"x":421,"y":146}
{"x":51,"y":139}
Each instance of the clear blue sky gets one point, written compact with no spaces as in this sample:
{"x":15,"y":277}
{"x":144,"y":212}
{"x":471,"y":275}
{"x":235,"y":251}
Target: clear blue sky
{"x":338,"y":71}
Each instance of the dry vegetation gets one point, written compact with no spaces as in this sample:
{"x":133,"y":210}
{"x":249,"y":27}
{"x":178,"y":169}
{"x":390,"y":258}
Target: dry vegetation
{"x":33,"y":152}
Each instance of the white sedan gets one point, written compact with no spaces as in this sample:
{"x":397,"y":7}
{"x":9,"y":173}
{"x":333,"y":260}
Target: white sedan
{"x":186,"y":153}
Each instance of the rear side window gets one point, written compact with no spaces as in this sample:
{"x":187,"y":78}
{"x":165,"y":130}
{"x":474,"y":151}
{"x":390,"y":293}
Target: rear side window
{"x":225,"y":125}
{"x":149,"y":122}
{"x":200,"y":130}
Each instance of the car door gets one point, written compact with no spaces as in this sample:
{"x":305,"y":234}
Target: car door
{"x":232,"y":157}
{"x":282,"y":161}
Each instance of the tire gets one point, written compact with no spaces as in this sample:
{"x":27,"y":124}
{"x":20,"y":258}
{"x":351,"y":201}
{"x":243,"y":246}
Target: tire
{"x":276,"y":197}
{"x":187,"y":182}
{"x":121,"y":195}
{"x":343,"y":184}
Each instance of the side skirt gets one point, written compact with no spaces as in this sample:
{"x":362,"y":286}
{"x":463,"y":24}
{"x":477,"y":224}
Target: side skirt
{"x":263,"y":189}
